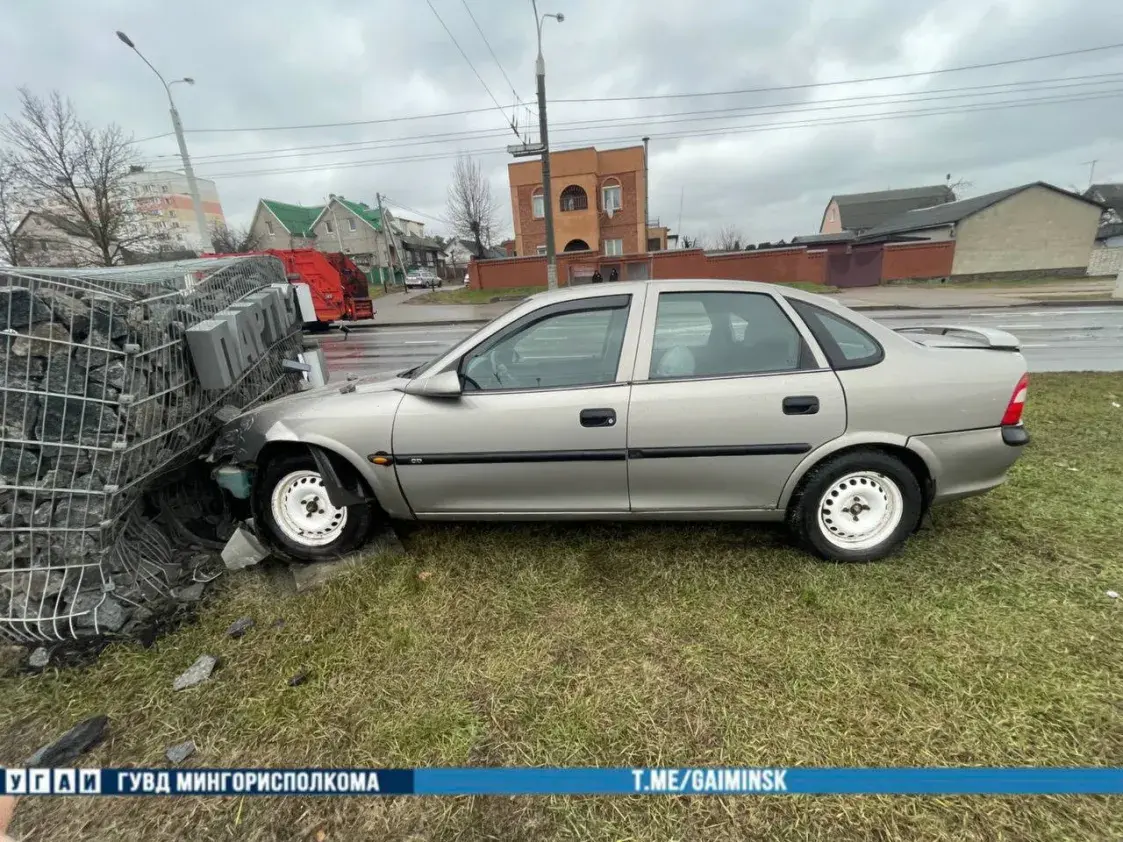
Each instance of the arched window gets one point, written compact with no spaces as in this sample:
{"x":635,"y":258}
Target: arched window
{"x":576,"y":245}
{"x":574,"y":198}
{"x":612,"y":197}
{"x":537,"y":203}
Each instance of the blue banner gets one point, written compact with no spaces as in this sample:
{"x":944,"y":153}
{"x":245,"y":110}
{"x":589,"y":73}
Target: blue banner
{"x":567,"y":781}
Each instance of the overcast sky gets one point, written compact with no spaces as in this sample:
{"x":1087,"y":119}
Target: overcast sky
{"x":294,"y":62}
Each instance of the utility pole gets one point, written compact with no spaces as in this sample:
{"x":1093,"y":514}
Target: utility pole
{"x":388,"y":231}
{"x":188,"y":171}
{"x":544,"y":140}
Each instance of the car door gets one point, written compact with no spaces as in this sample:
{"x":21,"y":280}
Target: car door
{"x":541,"y":424}
{"x":729,"y":393}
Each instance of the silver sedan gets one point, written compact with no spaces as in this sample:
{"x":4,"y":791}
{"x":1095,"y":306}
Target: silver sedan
{"x":690,"y":400}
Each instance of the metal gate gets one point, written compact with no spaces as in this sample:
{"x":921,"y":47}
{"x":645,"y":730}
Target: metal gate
{"x":858,"y":266}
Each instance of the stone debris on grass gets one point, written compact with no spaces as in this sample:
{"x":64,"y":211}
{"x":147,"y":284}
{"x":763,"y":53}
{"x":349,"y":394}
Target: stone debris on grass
{"x":300,"y":677}
{"x":192,"y":593}
{"x":1112,"y":594}
{"x":71,"y":745}
{"x":180,"y":751}
{"x":239,"y":627}
{"x":39,"y":658}
{"x":197,"y":673}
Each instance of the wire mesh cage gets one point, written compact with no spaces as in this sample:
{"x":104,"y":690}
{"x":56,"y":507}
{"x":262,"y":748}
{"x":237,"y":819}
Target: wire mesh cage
{"x":100,"y":405}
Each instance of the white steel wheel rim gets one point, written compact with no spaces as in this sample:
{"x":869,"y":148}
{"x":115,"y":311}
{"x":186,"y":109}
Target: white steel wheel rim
{"x":302,"y":511}
{"x":860,"y":510}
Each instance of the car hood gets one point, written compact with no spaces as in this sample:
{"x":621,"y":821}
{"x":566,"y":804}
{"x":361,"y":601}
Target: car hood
{"x":336,"y":411}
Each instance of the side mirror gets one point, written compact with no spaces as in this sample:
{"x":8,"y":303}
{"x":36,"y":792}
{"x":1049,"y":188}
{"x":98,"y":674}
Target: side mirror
{"x":444,"y":385}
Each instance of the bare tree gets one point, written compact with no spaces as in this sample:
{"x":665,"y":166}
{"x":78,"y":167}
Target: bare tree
{"x":79,"y":171}
{"x":227,"y":240}
{"x":472,"y":211}
{"x":11,"y":211}
{"x":729,"y":238}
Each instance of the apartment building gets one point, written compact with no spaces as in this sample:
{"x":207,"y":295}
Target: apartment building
{"x":164,"y":203}
{"x":599,"y":202}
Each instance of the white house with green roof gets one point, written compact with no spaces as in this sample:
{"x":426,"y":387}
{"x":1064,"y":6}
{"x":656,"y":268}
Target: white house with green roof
{"x":280,"y":225}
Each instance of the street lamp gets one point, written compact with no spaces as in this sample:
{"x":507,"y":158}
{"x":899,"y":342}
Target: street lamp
{"x":544,"y":139}
{"x":192,"y":185}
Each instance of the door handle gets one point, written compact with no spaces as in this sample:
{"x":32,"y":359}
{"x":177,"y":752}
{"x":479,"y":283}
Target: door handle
{"x":598,"y":417}
{"x":801,"y":405}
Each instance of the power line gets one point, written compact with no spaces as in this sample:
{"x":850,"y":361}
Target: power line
{"x":510,"y":123}
{"x":407,"y":208}
{"x":840,"y":103}
{"x":487,"y":43}
{"x":720,"y":131}
{"x":847,"y":81}
{"x":807,"y":86}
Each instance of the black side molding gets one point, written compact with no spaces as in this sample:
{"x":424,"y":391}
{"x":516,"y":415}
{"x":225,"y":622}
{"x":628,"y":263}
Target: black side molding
{"x":1015,"y":435}
{"x":718,"y":450}
{"x":512,"y":457}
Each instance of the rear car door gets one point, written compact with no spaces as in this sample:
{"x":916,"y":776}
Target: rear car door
{"x":541,"y":425}
{"x":729,"y":393}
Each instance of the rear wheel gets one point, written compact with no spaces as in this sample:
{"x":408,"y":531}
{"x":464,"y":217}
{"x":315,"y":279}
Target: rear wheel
{"x":298,"y":518}
{"x":859,"y":506}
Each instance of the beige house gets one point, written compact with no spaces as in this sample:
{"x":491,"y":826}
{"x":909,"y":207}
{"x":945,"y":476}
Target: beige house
{"x":1035,"y":228}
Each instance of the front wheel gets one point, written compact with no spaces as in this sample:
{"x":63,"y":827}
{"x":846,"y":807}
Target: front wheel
{"x":859,"y":506}
{"x":299,"y":519}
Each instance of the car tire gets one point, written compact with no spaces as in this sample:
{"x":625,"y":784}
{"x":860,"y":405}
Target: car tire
{"x":857,"y":506}
{"x":297,"y":519}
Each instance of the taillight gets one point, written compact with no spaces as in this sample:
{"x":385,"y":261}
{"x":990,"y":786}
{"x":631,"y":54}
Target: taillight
{"x":1013,"y":414}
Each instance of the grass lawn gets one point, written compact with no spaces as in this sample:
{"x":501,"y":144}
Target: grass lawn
{"x":461,"y":295}
{"x":989,"y":641}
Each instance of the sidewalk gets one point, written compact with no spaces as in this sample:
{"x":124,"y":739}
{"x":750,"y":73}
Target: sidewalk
{"x":936,"y":297}
{"x":392,"y":310}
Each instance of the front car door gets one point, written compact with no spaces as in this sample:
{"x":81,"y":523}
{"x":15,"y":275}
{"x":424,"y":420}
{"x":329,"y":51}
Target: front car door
{"x":541,"y":426}
{"x":730,"y":392}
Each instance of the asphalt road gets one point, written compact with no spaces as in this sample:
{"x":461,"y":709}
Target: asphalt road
{"x":1053,"y":338}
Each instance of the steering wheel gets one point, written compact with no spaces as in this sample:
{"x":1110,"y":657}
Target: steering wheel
{"x":468,"y":379}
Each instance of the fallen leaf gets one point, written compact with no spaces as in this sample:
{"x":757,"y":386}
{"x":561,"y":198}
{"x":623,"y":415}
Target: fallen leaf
{"x":321,"y":836}
{"x":424,"y":575}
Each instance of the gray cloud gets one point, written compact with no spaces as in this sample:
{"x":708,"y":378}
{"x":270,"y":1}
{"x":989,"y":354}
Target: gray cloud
{"x":284,"y":63}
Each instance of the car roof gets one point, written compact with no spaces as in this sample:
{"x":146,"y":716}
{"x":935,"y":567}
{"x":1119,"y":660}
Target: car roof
{"x":635,"y":287}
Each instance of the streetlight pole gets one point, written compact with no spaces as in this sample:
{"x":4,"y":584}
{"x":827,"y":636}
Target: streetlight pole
{"x":192,"y":185}
{"x":547,"y":196}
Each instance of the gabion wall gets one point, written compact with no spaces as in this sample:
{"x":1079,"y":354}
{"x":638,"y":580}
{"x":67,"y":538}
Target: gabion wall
{"x":100,"y":405}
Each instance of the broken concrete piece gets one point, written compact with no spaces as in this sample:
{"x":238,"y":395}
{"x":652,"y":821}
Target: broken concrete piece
{"x":243,"y":550}
{"x":180,"y":751}
{"x":71,"y":745}
{"x":197,"y":673}
{"x":239,"y":627}
{"x":39,"y":658}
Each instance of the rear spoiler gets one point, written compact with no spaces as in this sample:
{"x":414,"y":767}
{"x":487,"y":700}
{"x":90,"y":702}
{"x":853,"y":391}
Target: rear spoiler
{"x":986,"y":337}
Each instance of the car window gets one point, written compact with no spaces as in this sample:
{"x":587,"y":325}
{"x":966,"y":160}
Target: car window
{"x":845,"y":344}
{"x":579,"y":348}
{"x":716,"y":334}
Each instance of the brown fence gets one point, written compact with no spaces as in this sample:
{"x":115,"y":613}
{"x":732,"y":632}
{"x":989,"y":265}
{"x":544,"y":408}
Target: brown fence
{"x":785,"y":265}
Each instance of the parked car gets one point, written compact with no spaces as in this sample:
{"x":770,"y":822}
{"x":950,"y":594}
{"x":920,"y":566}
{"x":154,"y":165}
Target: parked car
{"x":685,"y":400}
{"x":421,"y":279}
